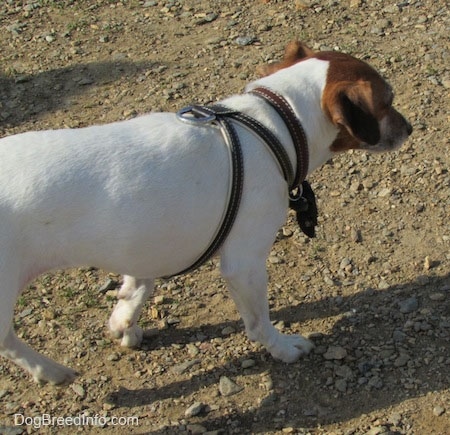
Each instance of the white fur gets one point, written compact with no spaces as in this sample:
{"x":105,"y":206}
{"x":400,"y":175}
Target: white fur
{"x":144,"y":198}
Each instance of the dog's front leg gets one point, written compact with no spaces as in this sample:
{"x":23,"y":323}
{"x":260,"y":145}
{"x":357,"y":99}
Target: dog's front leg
{"x":123,"y":321}
{"x":247,"y":282}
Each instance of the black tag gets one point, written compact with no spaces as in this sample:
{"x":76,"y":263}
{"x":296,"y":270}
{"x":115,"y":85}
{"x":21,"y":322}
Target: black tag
{"x":306,"y":208}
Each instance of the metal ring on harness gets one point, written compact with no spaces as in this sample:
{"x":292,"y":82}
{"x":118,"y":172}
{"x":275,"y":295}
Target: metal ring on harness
{"x":198,"y":115}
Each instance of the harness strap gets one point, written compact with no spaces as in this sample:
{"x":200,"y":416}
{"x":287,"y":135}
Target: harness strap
{"x":221,"y":115}
{"x":217,"y":114}
{"x":284,"y":109}
{"x":268,"y":137}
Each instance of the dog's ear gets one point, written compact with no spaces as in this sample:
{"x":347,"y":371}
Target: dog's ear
{"x":294,"y":52}
{"x":352,"y":108}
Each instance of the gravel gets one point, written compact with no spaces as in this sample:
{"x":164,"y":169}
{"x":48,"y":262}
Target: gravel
{"x":372,"y":290}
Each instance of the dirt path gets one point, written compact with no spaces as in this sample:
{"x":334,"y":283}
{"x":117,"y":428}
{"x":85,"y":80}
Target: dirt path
{"x":373,"y":289}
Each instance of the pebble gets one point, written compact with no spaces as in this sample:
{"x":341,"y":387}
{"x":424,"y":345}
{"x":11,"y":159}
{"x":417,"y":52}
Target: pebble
{"x":227,"y":387}
{"x":159,"y":299}
{"x":274,"y":259}
{"x":247,"y":363}
{"x":113,"y":357}
{"x":437,"y":297}
{"x":181,"y":368}
{"x":341,"y":385}
{"x":438,"y":411}
{"x":384,"y":192}
{"x":79,"y":390}
{"x":395,"y":419}
{"x":408,"y":305}
{"x":327,"y":280}
{"x":228,"y":330}
{"x":335,"y":352}
{"x":195,"y":409}
{"x":244,"y":40}
{"x":383,"y":285}
{"x":402,"y":360}
{"x":408,"y":170}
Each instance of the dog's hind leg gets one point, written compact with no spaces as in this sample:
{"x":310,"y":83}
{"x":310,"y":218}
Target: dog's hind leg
{"x":123,"y":321}
{"x":40,"y":367}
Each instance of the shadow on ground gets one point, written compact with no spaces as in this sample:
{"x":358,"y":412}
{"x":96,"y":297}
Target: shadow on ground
{"x":387,"y":361}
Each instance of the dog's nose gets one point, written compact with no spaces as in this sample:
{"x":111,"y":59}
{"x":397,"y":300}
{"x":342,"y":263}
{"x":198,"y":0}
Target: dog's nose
{"x":409,"y":128}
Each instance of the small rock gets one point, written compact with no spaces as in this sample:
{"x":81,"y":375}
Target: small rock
{"x":287,"y":232}
{"x":244,"y":40}
{"x":395,"y":419}
{"x":79,"y":390}
{"x":438,"y":296}
{"x":113,"y":357}
{"x":194,"y":409}
{"x":181,"y":368}
{"x":355,"y":3}
{"x":327,"y":280}
{"x":438,"y":411}
{"x":227,"y":387}
{"x":208,"y":18}
{"x":355,"y":235}
{"x":269,"y":400}
{"x":402,"y":360}
{"x":377,"y":430}
{"x":159,"y":300}
{"x":192,"y":349}
{"x":408,"y":305}
{"x":228,"y":330}
{"x":273,"y":259}
{"x":398,"y":336}
{"x":383,"y":285}
{"x":384,"y":192}
{"x":344,"y":372}
{"x":335,"y":352}
{"x":341,"y":385}
{"x":247,"y":363}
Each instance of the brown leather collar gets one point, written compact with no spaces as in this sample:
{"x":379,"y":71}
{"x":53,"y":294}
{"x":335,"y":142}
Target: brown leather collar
{"x":283,"y":108}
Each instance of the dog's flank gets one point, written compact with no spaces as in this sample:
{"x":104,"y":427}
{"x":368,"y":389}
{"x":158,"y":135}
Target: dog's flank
{"x":144,"y":197}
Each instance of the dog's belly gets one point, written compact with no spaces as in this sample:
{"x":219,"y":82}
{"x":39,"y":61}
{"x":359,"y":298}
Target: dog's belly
{"x":142,"y":197}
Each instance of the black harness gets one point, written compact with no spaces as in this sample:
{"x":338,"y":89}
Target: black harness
{"x":301,"y":196}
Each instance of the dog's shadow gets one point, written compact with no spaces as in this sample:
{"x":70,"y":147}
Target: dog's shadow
{"x":396,"y":341}
{"x":24,"y":96}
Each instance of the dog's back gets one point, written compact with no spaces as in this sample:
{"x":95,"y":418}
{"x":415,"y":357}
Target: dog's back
{"x":67,"y":195}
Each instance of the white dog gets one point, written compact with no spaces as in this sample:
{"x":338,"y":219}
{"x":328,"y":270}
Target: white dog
{"x":144,"y":197}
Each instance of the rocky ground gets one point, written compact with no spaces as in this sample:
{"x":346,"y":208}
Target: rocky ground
{"x":372,"y":290}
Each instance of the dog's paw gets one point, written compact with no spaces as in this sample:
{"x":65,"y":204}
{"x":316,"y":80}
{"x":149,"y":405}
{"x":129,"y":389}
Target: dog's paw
{"x":54,"y":373}
{"x":132,"y":337}
{"x":289,"y":348}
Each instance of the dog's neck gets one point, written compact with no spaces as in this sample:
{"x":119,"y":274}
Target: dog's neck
{"x":310,"y":76}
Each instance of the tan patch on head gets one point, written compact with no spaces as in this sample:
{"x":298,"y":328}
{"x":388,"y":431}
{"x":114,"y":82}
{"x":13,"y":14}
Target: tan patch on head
{"x":355,"y":98}
{"x":294,"y":52}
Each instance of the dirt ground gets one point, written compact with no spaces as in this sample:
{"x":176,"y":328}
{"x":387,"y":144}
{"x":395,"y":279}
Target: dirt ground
{"x":372,"y":290}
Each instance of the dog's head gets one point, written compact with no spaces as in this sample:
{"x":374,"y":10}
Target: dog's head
{"x":356,"y":99}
